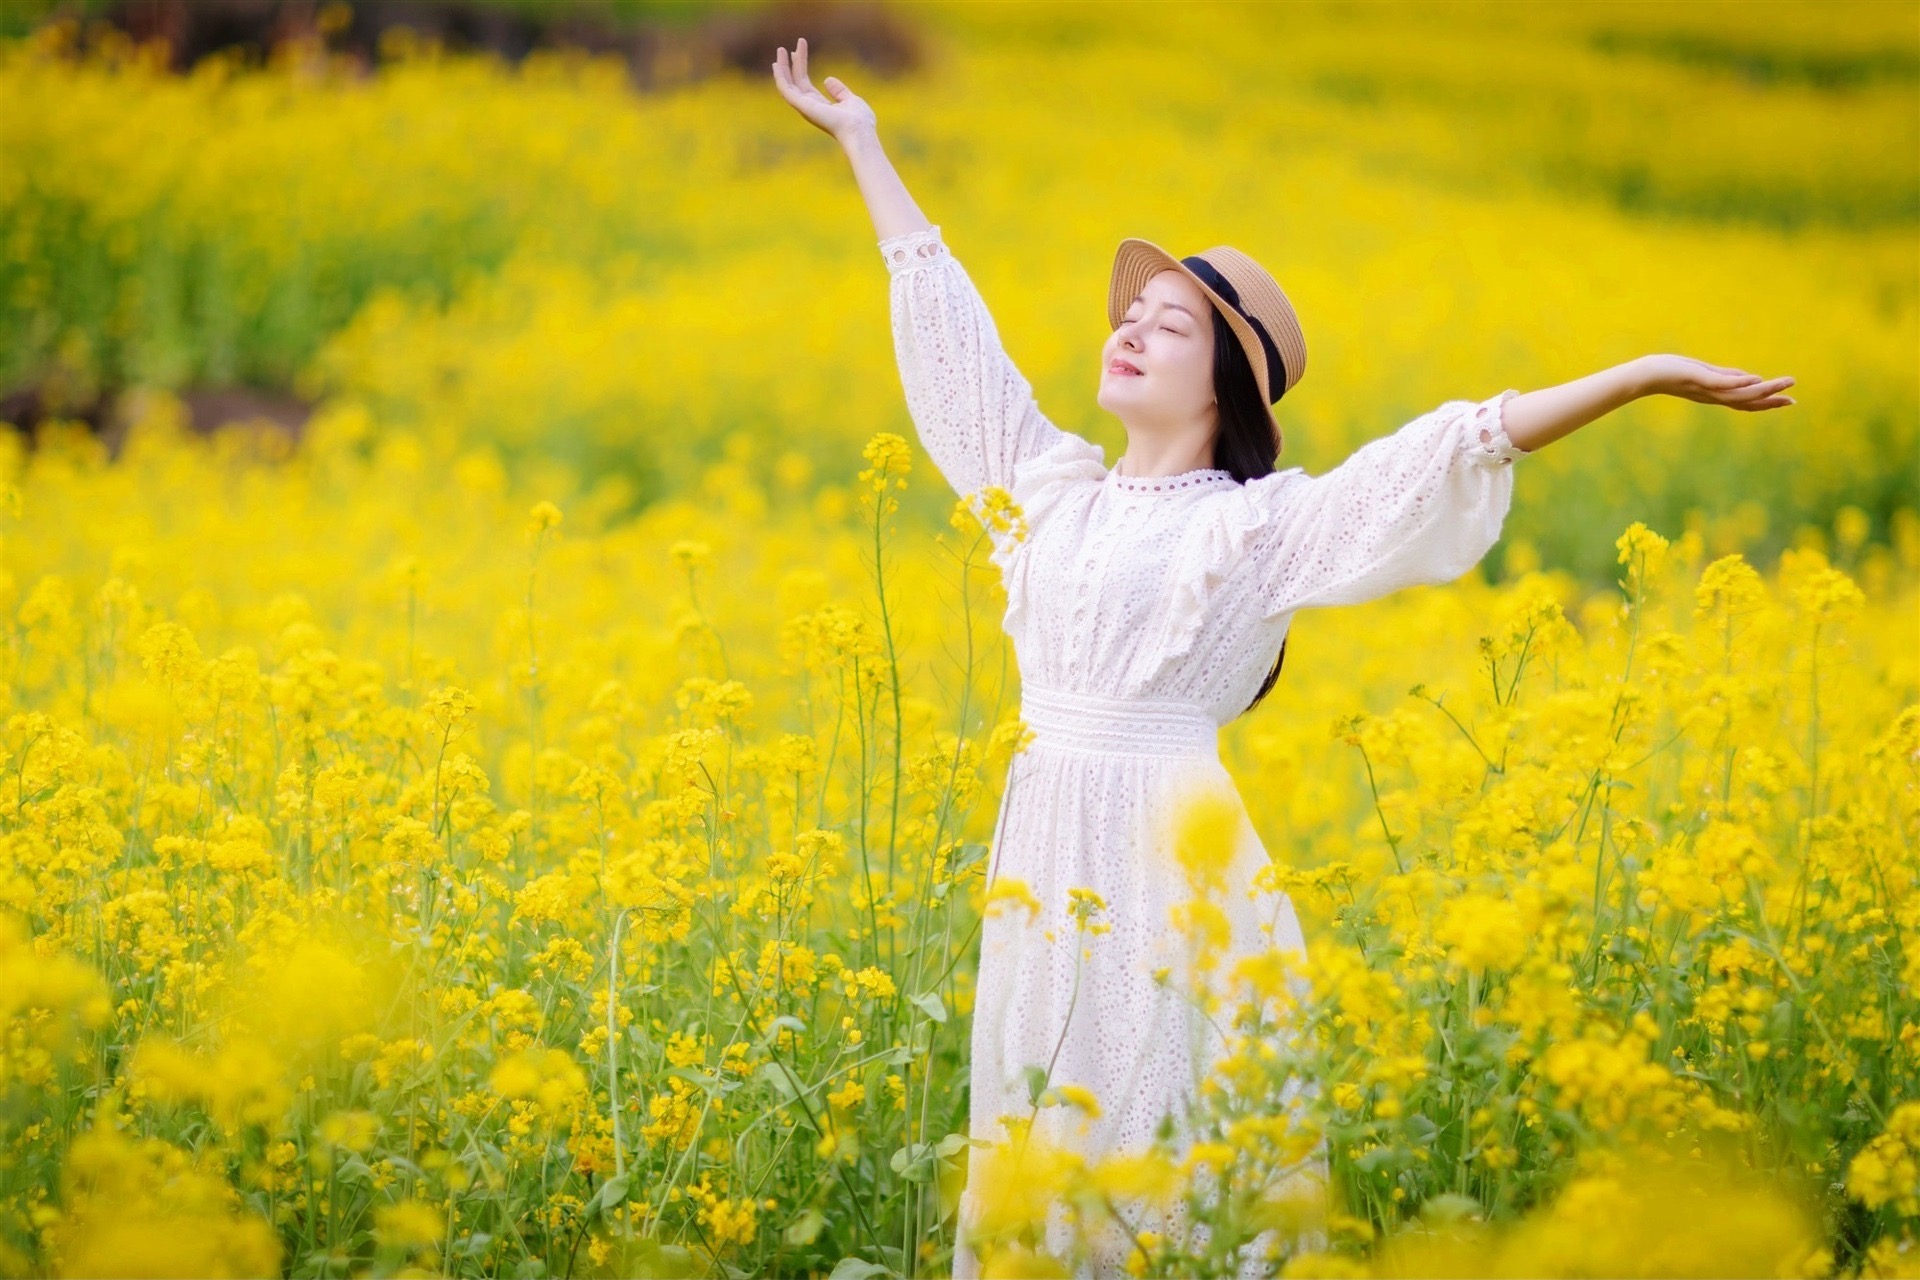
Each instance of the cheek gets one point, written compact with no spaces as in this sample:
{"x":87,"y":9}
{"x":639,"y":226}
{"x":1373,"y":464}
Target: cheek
{"x":1194,"y":363}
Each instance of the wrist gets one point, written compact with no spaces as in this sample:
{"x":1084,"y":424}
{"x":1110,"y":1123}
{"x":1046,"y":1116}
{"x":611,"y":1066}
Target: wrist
{"x":1642,"y":376}
{"x":860,"y":141}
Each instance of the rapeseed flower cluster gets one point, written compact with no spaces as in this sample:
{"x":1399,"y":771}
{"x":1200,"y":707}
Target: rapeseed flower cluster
{"x":677,"y":930}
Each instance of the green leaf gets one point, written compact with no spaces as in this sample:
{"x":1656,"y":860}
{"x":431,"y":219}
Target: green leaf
{"x":805,"y":1229}
{"x":970,"y":853}
{"x":650,"y":1260}
{"x":780,"y":1079}
{"x":1375,"y":1157}
{"x":857,"y":1269}
{"x":609,"y":1196}
{"x":354,"y":1169}
{"x":473,"y":1244}
{"x":1036,"y":1083}
{"x":405,"y":1165}
{"x":708,"y":1084}
{"x":785,"y":1021}
{"x":914,"y":1162}
{"x":931,"y":1006}
{"x":1451,"y":1207}
{"x":951,"y":1143}
{"x":323,"y":1262}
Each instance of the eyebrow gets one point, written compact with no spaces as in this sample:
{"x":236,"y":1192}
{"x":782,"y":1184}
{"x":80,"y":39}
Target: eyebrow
{"x":1176,"y":306}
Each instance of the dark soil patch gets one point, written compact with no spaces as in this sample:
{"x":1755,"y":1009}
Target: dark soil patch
{"x":662,"y":45}
{"x":267,"y":410}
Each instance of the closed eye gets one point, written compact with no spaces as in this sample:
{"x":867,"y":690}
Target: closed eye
{"x":1166,"y":328}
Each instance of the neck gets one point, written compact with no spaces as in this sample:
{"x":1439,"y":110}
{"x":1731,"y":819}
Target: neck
{"x":1148,"y":456}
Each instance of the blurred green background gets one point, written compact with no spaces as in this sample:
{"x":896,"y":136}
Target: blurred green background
{"x":639,"y":263}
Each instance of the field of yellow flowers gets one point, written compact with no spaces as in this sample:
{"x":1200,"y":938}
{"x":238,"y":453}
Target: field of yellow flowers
{"x":532,"y":824}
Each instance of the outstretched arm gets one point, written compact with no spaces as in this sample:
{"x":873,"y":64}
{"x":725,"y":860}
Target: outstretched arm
{"x":1425,"y":503}
{"x":1536,"y":418}
{"x":1420,"y":505}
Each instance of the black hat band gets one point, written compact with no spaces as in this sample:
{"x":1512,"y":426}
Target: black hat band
{"x":1276,"y":367}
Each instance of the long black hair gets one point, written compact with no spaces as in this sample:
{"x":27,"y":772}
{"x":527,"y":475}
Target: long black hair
{"x":1244,"y":448}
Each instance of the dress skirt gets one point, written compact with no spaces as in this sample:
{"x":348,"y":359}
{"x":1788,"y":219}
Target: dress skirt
{"x":1090,"y":803}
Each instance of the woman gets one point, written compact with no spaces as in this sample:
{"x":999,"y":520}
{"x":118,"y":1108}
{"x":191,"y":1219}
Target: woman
{"x":1149,"y":603}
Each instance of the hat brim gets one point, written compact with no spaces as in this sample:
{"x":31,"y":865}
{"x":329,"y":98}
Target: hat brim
{"x":1138,"y":261}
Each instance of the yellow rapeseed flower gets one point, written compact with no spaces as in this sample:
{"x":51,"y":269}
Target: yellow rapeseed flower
{"x":1483,"y":931}
{"x":409,"y":1224}
{"x":542,"y":519}
{"x":1206,"y":833}
{"x":1887,"y":1170}
{"x":1073,"y":1095}
{"x":888,"y":462}
{"x":1009,"y":893}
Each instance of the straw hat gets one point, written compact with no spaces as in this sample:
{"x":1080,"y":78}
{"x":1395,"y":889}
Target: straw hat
{"x":1250,"y":299}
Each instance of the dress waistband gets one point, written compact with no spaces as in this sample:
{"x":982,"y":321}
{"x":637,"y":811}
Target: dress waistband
{"x":1118,"y":726}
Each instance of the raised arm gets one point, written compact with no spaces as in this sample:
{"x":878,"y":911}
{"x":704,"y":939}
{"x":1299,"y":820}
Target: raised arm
{"x":972,"y":407}
{"x":848,"y":120}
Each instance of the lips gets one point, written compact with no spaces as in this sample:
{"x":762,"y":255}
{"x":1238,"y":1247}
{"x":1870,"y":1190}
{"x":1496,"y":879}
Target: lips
{"x":1124,"y":369}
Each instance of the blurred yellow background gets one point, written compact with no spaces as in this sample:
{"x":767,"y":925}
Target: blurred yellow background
{"x":1457,"y":199}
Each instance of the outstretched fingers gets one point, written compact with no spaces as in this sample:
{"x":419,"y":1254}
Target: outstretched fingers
{"x":790,"y":77}
{"x":1704,"y":382}
{"x":1762,"y":387}
{"x":1763,"y":394}
{"x":800,"y":67}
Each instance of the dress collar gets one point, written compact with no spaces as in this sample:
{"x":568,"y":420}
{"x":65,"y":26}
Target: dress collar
{"x":1199,"y":478}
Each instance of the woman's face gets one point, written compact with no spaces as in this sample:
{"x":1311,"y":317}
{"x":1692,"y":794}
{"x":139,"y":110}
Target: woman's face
{"x":1167,"y":337}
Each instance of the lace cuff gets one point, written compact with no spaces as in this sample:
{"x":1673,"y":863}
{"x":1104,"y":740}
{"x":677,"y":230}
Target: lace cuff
{"x":1487,"y":441}
{"x":913,"y":249}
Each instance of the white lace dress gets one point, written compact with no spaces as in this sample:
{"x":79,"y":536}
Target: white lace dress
{"x":1144,"y":614}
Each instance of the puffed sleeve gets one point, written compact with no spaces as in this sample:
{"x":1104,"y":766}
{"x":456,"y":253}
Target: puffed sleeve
{"x":1421,"y":505}
{"x":974,"y":411}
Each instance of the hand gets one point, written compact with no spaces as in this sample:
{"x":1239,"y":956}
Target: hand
{"x":843,"y":115}
{"x":1692,"y":379}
